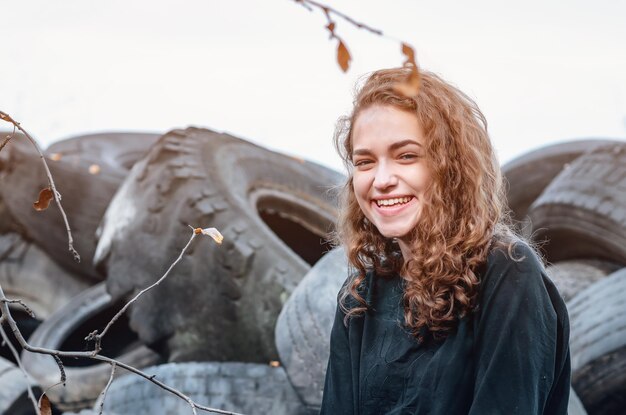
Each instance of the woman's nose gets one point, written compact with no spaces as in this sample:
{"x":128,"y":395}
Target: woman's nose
{"x":385,"y":177}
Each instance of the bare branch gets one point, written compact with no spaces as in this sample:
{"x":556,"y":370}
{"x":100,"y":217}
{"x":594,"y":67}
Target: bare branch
{"x":329,"y":10}
{"x":103,"y":394}
{"x":20,"y":302}
{"x":7,"y":139}
{"x":98,"y":337}
{"x":8,"y":318}
{"x":57,"y":196}
{"x":193,"y":406}
{"x":16,"y":355}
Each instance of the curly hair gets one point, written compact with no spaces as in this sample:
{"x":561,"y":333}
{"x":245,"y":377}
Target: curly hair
{"x":463,"y":214}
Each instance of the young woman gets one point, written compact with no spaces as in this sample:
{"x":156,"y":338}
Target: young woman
{"x":448,"y":311}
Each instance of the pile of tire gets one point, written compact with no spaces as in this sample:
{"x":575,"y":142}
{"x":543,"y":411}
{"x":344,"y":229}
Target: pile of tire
{"x":268,"y":293}
{"x":130,"y":199}
{"x":570,"y":198}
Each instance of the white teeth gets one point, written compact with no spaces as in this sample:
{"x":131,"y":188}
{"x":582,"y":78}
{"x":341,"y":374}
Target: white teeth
{"x":391,"y":202}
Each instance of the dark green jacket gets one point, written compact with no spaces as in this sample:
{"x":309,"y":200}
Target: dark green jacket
{"x":511,"y":356}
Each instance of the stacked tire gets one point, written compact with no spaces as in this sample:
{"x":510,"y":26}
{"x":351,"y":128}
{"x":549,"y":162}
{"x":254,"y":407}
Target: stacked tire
{"x":579,"y":221}
{"x":268,"y":293}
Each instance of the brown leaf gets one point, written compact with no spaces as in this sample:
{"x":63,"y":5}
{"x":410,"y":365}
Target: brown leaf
{"x":331,"y":27}
{"x":410,"y":87}
{"x":45,"y":196}
{"x":343,"y":56}
{"x":44,"y":406}
{"x":409,"y":53}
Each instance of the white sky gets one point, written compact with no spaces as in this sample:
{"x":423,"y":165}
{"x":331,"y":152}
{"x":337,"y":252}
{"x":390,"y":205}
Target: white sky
{"x":265,"y":70}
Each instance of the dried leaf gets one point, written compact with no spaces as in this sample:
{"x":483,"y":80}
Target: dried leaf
{"x":331,"y":27}
{"x":410,"y":87}
{"x":45,"y":196}
{"x":94,"y":169}
{"x":343,"y":56}
{"x":213,"y":233}
{"x":409,"y":53}
{"x":44,"y":405}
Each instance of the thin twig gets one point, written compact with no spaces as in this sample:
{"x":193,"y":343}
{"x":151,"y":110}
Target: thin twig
{"x":7,"y":139}
{"x":57,"y":196}
{"x":16,"y":355}
{"x":24,"y":306}
{"x":6,"y":316}
{"x":103,"y":394}
{"x":193,"y":406}
{"x":328,"y":10}
{"x":98,"y":337}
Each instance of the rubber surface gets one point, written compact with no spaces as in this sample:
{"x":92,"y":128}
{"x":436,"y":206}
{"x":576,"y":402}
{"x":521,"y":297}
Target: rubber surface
{"x":221,"y":302}
{"x":65,"y":330}
{"x":304,"y":325}
{"x":528,"y":175}
{"x":598,"y":344}
{"x":246,"y":388}
{"x":13,"y":390}
{"x":573,"y":276}
{"x":582,"y":213}
{"x":87,"y":170}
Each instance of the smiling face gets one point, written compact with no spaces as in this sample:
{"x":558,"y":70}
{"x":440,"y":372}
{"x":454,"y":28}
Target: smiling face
{"x":390,"y":175}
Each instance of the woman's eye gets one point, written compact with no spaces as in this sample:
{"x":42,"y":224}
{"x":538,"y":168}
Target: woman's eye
{"x":361,"y":163}
{"x":408,"y":156}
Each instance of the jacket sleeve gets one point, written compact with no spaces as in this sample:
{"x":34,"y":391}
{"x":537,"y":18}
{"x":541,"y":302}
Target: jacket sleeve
{"x":521,"y":344}
{"x":338,"y":386}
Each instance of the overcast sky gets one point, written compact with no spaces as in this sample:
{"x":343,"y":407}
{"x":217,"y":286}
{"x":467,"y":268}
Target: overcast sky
{"x":266,"y":71}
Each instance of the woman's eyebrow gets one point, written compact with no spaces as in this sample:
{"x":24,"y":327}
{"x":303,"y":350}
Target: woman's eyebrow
{"x":393,"y":147}
{"x":403,"y":143}
{"x":361,"y":152}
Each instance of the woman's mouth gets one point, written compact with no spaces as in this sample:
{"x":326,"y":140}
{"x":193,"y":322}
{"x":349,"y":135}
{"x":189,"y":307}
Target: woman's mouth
{"x":394,"y":202}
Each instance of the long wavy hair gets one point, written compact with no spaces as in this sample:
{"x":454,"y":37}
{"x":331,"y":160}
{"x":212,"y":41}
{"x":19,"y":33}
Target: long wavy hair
{"x":463,"y":214}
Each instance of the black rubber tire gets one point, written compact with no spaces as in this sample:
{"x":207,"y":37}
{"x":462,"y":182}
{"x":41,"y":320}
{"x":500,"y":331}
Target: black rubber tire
{"x":18,"y":143}
{"x":598,"y":344}
{"x":573,"y":276}
{"x":114,"y":152}
{"x":27,"y":273}
{"x":221,"y":302}
{"x":582,"y":213}
{"x":14,"y":390}
{"x":247,"y":388}
{"x":65,"y":330}
{"x":528,"y":175}
{"x":304,"y":325}
{"x":85,"y":195}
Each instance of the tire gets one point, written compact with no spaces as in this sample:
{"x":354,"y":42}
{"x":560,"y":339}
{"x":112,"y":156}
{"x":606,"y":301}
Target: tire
{"x":65,"y":330}
{"x":582,"y":214}
{"x":85,"y":195}
{"x":18,"y":143}
{"x":528,"y":175}
{"x":14,"y":390}
{"x":240,"y":387}
{"x":304,"y":325}
{"x":221,"y":302}
{"x":598,"y":344}
{"x":27,"y":273}
{"x":114,"y":152}
{"x":573,"y":276}
{"x":575,"y":406}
